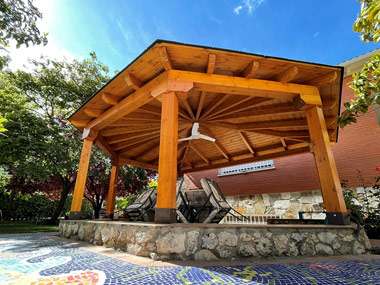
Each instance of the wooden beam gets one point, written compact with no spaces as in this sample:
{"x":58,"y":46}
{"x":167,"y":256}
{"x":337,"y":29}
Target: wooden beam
{"x":242,"y":86}
{"x":110,"y":98}
{"x":246,"y":142}
{"x":126,"y":122}
{"x":127,"y":130}
{"x":126,"y":106}
{"x":324,"y":160}
{"x":112,"y":189}
{"x":184,"y":154}
{"x":93,"y":113}
{"x":165,"y":58}
{"x":284,"y":134}
{"x":200,"y":104}
{"x":219,"y":147}
{"x":247,"y":160}
{"x":148,"y":149}
{"x":211,"y":63}
{"x":287,"y":75}
{"x":323,"y":79}
{"x":76,"y":204}
{"x":123,"y":161}
{"x":302,"y":100}
{"x":251,"y":69}
{"x":132,"y":81}
{"x":167,"y":168}
{"x":328,"y":105}
{"x":199,"y":153}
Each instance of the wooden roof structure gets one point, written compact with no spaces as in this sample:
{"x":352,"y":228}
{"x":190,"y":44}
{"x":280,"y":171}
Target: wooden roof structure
{"x":249,"y":103}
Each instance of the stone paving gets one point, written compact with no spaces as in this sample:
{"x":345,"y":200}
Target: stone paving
{"x":41,"y":259}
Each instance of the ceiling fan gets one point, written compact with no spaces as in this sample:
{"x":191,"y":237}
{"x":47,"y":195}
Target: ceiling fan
{"x":196,"y":135}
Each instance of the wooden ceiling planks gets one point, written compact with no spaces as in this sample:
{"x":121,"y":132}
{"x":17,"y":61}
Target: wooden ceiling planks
{"x":245,"y":127}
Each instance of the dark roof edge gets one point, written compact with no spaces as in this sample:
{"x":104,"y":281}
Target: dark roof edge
{"x":159,"y":41}
{"x":340,"y":102}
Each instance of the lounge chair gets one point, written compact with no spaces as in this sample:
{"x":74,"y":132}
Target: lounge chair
{"x":182,"y":208}
{"x":142,"y":209}
{"x":218,"y":201}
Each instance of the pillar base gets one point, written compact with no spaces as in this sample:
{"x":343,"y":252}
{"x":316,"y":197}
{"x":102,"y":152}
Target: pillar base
{"x":338,"y":218}
{"x":165,"y":216}
{"x":75,"y":216}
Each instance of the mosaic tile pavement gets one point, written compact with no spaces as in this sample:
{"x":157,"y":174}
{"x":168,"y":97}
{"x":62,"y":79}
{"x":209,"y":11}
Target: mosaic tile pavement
{"x":37,"y":259}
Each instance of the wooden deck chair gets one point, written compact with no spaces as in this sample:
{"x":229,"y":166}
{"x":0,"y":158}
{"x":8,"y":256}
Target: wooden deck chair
{"x":182,"y":207}
{"x":218,"y":201}
{"x":142,"y":209}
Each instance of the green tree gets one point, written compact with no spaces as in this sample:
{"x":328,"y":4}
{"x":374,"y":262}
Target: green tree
{"x":40,"y":142}
{"x":18,"y":22}
{"x":366,"y":84}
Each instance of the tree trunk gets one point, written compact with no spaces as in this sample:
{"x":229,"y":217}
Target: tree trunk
{"x":66,"y":187}
{"x":10,"y":204}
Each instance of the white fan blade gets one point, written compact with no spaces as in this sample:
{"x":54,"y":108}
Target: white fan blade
{"x":185,"y":139}
{"x":195,"y":128}
{"x":207,"y":138}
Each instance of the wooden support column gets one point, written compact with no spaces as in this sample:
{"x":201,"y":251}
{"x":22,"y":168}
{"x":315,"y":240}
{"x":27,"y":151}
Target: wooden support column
{"x":327,"y":171}
{"x":167,"y":167}
{"x":112,"y":190}
{"x":76,"y":204}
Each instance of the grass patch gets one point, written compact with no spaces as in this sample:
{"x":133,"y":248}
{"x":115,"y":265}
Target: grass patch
{"x":25,"y":227}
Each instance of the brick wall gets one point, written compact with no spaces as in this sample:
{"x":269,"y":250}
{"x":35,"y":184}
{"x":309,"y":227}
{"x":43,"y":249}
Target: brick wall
{"x":358,"y":148}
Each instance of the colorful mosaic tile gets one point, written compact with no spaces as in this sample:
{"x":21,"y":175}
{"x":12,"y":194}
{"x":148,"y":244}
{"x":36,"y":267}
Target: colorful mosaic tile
{"x":37,"y":259}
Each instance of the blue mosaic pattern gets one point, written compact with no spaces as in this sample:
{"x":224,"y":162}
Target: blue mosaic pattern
{"x":36,"y":259}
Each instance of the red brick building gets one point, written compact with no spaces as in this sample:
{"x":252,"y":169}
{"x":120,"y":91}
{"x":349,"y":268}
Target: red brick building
{"x":357,"y":149}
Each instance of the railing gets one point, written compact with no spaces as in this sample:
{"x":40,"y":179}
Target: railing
{"x":252,"y":219}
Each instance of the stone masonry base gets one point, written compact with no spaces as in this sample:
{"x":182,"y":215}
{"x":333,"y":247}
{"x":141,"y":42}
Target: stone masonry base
{"x":216,"y":241}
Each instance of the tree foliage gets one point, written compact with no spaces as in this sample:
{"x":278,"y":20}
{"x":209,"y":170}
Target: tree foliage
{"x":365,"y":83}
{"x":18,"y":22}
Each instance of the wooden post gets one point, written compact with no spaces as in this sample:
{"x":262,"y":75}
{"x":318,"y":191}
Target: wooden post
{"x":327,"y":171}
{"x":80,"y":183}
{"x":167,"y":167}
{"x":112,"y":190}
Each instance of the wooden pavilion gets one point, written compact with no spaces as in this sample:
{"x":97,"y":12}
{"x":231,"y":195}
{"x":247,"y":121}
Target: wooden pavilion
{"x":256,"y":107}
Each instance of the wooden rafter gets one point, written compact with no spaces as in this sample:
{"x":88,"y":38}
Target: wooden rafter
{"x":323,"y":79}
{"x":132,"y":81}
{"x":110,"y":98}
{"x":284,"y":143}
{"x":246,"y":142}
{"x":200,"y":104}
{"x":284,"y":134}
{"x":121,"y":138}
{"x":188,"y":108}
{"x":242,"y":106}
{"x":287,"y":75}
{"x":127,"y":130}
{"x":218,"y":146}
{"x":148,"y":149}
{"x":183,"y":159}
{"x":151,"y":109}
{"x":211,"y":63}
{"x":101,"y":143}
{"x":251,"y":69}
{"x":214,"y":104}
{"x":165,"y":58}
{"x":124,"y":148}
{"x":124,"y":161}
{"x":199,"y":153}
{"x":93,"y":113}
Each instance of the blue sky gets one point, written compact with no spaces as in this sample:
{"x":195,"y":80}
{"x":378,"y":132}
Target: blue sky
{"x":119,"y":30}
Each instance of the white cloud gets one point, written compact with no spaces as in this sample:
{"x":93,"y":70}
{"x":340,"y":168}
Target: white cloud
{"x":316,"y":34}
{"x":215,"y":20}
{"x":249,"y":5}
{"x":237,"y":9}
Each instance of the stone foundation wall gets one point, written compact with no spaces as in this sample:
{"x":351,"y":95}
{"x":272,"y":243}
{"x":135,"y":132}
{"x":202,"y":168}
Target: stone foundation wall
{"x":209,"y":242}
{"x":289,"y":204}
